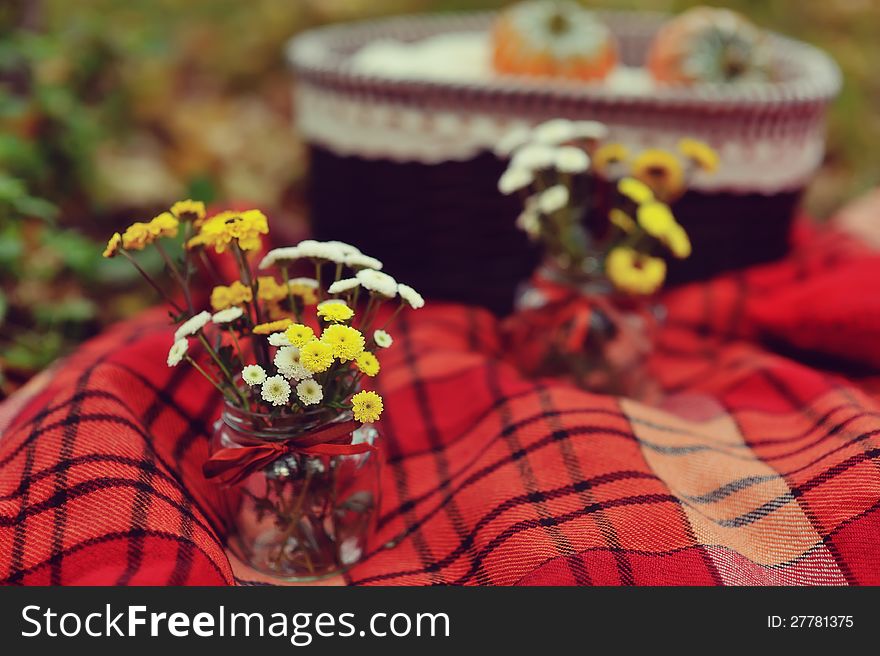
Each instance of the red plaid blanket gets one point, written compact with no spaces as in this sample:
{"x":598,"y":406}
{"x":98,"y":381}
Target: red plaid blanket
{"x":761,"y":467}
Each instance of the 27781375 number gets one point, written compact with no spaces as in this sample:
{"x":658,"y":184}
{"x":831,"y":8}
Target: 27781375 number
{"x":810,"y":622}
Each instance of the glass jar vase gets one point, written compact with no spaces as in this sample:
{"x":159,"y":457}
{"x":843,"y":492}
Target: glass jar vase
{"x":579,"y":327}
{"x":303,"y":516}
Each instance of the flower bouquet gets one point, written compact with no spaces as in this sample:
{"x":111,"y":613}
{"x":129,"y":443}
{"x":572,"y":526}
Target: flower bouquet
{"x":295,"y":449}
{"x":602,"y":216}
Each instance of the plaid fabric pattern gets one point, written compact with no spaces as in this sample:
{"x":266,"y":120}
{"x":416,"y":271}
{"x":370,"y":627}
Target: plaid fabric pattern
{"x":762,"y":465}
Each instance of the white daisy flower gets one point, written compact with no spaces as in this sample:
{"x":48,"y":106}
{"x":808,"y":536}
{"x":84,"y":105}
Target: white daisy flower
{"x":311,"y":283}
{"x":276,"y":390}
{"x":382,"y":339}
{"x":361,"y":261}
{"x":553,"y":199}
{"x":253,"y":374}
{"x":376,"y":281}
{"x":321,"y":250}
{"x":517,"y":137}
{"x":286,"y":254}
{"x":515,"y":179}
{"x":288,"y":363}
{"x":533,"y":157}
{"x":309,"y":392}
{"x":344,"y":285}
{"x":346,"y":249}
{"x":227,"y":315}
{"x":193,"y":325}
{"x":177,"y":351}
{"x":279,"y":339}
{"x":589,"y":130}
{"x":553,"y":132}
{"x":411,"y":296}
{"x":571,"y":160}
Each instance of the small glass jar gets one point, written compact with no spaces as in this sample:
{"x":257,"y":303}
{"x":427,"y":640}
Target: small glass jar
{"x":302,"y":517}
{"x":582,"y":329}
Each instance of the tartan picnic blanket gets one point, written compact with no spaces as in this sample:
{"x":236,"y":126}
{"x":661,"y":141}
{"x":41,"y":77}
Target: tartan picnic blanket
{"x":761,"y":465}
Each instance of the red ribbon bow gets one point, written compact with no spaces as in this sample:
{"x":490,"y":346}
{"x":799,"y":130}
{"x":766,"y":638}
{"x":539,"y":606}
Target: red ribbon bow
{"x":233,"y":465}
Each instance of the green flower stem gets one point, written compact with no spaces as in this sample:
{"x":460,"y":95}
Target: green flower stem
{"x":152,"y":282}
{"x":222,"y":367}
{"x":184,"y":285}
{"x":208,"y":377}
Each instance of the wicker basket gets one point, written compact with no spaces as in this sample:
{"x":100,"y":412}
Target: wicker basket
{"x":404,"y":167}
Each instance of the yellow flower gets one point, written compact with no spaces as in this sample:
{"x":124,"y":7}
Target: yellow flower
{"x":661,"y":171}
{"x":368,"y":363}
{"x":367,"y":406}
{"x":272,"y":327}
{"x":299,"y":335}
{"x":337,"y":312}
{"x":608,"y":156}
{"x":700,"y":153}
{"x":164,"y":225}
{"x":303,"y":291}
{"x":137,"y":236}
{"x":622,"y":220}
{"x":678,"y":242}
{"x":636,"y":190}
{"x":269,"y":290}
{"x":189,"y":210}
{"x":347,"y":342}
{"x":316,"y":356}
{"x":656,"y":219}
{"x":222,"y":229}
{"x":234,"y":295}
{"x":633,"y":272}
{"x":113,"y":245}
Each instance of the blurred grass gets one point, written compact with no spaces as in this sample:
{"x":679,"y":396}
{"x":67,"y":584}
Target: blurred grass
{"x":109,"y":110}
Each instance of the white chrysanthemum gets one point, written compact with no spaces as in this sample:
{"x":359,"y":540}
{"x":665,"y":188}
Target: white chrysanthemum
{"x":514,"y":179}
{"x":227,"y":315}
{"x":286,"y":254}
{"x":309,"y":392}
{"x":382,"y":339}
{"x":571,"y":160}
{"x":276,"y":390}
{"x":553,"y":199}
{"x":177,"y":351}
{"x":193,"y":325}
{"x":287,"y":361}
{"x":361,"y":261}
{"x":345,"y":249}
{"x":519,"y":136}
{"x":253,"y":374}
{"x":553,"y":132}
{"x":279,"y":339}
{"x":411,"y":296}
{"x":529,"y":220}
{"x":589,"y":130}
{"x":533,"y":157}
{"x":344,"y":285}
{"x":321,"y":250}
{"x":376,"y":281}
{"x":311,"y":283}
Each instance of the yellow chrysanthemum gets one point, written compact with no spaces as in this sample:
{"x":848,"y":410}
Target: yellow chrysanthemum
{"x":234,"y":295}
{"x":137,"y":236}
{"x":272,"y":327}
{"x":316,"y":356}
{"x":335,"y":312}
{"x":308,"y":294}
{"x":164,"y":225}
{"x":656,"y":219}
{"x":189,"y":210}
{"x":366,"y":406}
{"x":678,"y":242}
{"x":636,"y":190}
{"x":622,"y":220}
{"x":269,"y":290}
{"x":222,"y":229}
{"x":608,"y":156}
{"x":700,"y":153}
{"x":633,"y":272}
{"x":367,"y":363}
{"x":347,"y":342}
{"x":661,"y":171}
{"x":113,"y":245}
{"x":299,"y":335}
